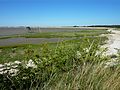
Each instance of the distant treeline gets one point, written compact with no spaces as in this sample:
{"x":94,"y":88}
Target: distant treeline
{"x":112,"y":26}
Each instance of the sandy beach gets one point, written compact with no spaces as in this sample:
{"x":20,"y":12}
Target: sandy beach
{"x":113,"y":44}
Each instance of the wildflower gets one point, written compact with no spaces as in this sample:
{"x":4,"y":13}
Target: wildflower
{"x":17,"y":62}
{"x":2,"y":69}
{"x":9,"y":64}
{"x":13,"y":72}
{"x":78,"y":55}
{"x":1,"y":65}
{"x":8,"y":68}
{"x":86,"y":50}
{"x":31,"y":64}
{"x":24,"y":77}
{"x":111,"y":63}
{"x":14,"y":66}
{"x":98,"y":53}
{"x":1,"y":72}
{"x":5,"y":72}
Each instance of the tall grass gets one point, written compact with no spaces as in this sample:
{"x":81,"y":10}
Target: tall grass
{"x":86,"y":77}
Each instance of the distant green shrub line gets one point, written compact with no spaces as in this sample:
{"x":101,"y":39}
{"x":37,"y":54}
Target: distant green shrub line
{"x":81,"y":33}
{"x":110,"y":26}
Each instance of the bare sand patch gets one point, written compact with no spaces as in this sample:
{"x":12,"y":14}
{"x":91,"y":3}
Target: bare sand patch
{"x":113,"y":43}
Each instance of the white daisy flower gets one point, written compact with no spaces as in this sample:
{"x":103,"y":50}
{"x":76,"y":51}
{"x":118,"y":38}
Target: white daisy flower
{"x":17,"y":62}
{"x":31,"y":64}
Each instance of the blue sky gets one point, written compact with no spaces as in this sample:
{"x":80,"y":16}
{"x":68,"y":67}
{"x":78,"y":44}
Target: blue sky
{"x":59,"y":12}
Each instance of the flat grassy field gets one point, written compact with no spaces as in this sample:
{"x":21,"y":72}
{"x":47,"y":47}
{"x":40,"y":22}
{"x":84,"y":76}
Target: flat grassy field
{"x":52,"y":34}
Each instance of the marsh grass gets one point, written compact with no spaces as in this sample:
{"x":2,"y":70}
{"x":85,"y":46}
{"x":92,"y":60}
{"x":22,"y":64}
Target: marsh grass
{"x":67,"y":65}
{"x":76,"y":64}
{"x":17,"y":52}
{"x":67,"y":34}
{"x":80,"y":33}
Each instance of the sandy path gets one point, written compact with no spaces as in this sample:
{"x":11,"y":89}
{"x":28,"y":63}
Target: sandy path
{"x":113,"y":42}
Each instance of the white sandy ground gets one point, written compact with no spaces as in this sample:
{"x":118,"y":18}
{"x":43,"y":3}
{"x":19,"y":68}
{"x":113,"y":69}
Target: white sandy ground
{"x":113,"y":43}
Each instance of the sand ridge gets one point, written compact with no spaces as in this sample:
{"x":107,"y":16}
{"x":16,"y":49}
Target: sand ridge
{"x":113,"y":43}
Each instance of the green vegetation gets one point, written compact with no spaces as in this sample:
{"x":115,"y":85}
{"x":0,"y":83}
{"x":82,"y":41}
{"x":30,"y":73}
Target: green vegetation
{"x":80,"y":33}
{"x":16,"y":52}
{"x":77,"y":64}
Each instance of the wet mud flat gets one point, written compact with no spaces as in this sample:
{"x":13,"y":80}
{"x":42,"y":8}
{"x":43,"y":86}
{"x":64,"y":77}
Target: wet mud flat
{"x":18,"y":41}
{"x":23,"y":30}
{"x":15,"y":31}
{"x":12,"y":31}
